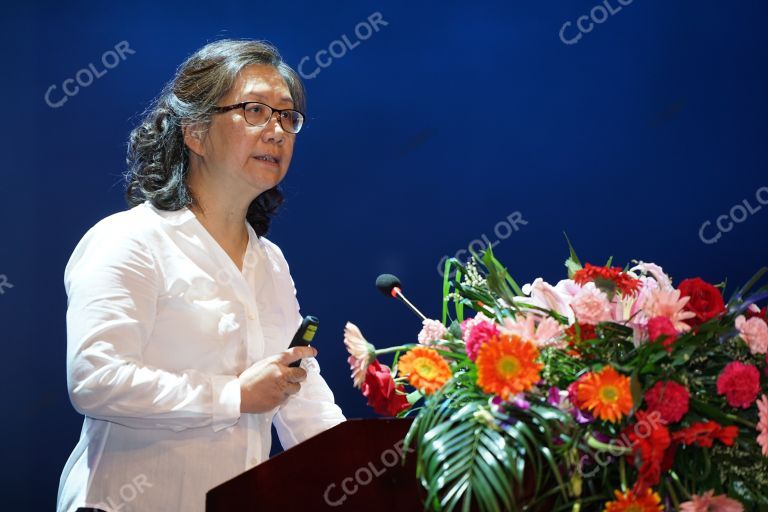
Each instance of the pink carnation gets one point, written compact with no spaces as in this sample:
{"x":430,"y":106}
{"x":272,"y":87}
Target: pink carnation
{"x":754,"y":332}
{"x":740,"y":383}
{"x":467,"y":325}
{"x":478,"y":335}
{"x":432,"y":331}
{"x":762,"y":425}
{"x":670,"y":399}
{"x":591,"y":306}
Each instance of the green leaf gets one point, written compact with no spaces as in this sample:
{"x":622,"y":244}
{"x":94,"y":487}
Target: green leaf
{"x":755,"y":278}
{"x":462,"y":460}
{"x":446,"y":287}
{"x":683,"y":355}
{"x":572,"y":263}
{"x":413,"y":396}
{"x":498,"y":279}
{"x":455,"y":329}
{"x":710,"y":411}
{"x":637,"y":391}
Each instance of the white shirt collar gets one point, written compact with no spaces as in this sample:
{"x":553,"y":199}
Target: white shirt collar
{"x":176,"y":217}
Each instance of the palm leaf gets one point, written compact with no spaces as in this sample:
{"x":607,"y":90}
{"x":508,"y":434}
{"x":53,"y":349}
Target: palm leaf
{"x":464,"y":460}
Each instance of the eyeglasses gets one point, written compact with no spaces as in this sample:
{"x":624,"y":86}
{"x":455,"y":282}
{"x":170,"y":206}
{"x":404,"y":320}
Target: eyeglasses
{"x":259,"y":114}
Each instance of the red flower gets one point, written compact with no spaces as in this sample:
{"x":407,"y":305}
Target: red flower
{"x":706,"y":300}
{"x":611,"y":276}
{"x":740,"y":383}
{"x":379,"y":389}
{"x":572,"y":387}
{"x":650,"y":441}
{"x":704,"y":434}
{"x":727,"y":435}
{"x":585,"y":332}
{"x":662,"y":326}
{"x":763,"y":313}
{"x":670,"y":399}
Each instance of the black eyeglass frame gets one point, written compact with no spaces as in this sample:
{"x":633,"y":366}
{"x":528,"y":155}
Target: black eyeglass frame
{"x":243,"y":104}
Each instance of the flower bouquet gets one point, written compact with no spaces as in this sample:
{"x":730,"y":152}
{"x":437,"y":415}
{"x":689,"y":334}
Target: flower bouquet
{"x":611,"y":390}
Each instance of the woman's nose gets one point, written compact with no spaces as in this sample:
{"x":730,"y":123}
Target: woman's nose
{"x":273,"y":130}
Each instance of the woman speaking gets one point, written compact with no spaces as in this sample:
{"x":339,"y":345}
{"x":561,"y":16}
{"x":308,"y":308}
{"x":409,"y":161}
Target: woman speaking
{"x":180,"y":312}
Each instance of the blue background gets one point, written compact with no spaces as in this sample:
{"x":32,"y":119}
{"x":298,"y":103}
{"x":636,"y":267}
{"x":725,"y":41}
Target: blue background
{"x":422,"y":138}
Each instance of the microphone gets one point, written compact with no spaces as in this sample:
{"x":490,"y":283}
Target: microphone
{"x":390,"y":285}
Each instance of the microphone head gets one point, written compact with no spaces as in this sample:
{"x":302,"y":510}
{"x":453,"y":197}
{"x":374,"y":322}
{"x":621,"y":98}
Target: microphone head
{"x":386,"y":283}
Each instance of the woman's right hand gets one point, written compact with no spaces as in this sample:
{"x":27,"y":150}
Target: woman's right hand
{"x":269,"y":382}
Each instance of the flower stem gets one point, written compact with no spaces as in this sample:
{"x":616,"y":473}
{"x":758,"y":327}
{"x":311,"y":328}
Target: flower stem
{"x":613,"y":449}
{"x":389,"y":350}
{"x":623,"y":474}
{"x":737,"y":419}
{"x":672,"y":494}
{"x":680,"y":485}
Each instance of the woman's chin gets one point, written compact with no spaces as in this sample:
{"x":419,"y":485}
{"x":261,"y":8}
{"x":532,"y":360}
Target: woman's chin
{"x":263,"y":183}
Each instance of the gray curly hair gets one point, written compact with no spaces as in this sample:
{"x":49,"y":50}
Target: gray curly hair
{"x":157,"y":156}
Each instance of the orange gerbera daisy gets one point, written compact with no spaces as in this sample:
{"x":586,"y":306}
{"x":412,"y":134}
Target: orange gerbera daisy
{"x":426,"y":370}
{"x":605,"y":394}
{"x":506,"y":365}
{"x":647,"y":501}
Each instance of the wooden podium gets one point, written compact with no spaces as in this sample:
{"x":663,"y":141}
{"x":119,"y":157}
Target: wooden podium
{"x":355,"y":466}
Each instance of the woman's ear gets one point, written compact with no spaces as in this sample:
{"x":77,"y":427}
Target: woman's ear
{"x":194,"y":134}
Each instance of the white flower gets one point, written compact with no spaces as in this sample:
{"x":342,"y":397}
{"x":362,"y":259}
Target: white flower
{"x":544,"y":295}
{"x":361,"y":353}
{"x":656,"y":272}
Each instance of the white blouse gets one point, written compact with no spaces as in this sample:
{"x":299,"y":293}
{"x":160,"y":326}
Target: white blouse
{"x":160,"y":321}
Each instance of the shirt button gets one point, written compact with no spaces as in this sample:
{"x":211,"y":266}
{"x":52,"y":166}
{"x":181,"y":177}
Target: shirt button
{"x":251,"y":316}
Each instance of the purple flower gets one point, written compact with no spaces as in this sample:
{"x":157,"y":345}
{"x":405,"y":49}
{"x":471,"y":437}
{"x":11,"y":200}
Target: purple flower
{"x":520,"y":402}
{"x":581,"y":417}
{"x":555,"y":397}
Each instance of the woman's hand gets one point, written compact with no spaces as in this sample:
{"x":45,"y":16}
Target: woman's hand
{"x":269,"y":382}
